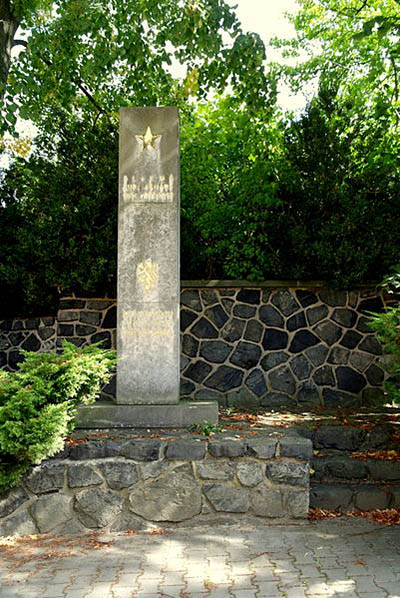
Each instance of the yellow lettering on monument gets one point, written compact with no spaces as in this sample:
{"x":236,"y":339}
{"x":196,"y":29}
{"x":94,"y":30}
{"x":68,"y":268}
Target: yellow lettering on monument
{"x":147,"y":274}
{"x":150,"y":190}
{"x":151,"y":323}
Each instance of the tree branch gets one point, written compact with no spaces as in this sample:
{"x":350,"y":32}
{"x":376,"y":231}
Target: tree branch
{"x":20,"y":42}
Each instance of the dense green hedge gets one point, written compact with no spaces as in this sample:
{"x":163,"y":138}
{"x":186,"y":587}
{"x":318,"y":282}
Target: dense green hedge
{"x":262,"y":197}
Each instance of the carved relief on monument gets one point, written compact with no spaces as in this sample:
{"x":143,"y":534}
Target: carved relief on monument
{"x":153,"y":323}
{"x":148,"y":139}
{"x":147,"y":274}
{"x":157,"y":190}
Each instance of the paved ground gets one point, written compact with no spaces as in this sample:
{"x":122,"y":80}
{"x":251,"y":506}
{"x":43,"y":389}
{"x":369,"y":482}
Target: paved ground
{"x":326,"y":558}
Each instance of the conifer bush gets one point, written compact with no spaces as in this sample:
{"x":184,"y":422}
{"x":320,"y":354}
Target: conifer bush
{"x":38,"y":404}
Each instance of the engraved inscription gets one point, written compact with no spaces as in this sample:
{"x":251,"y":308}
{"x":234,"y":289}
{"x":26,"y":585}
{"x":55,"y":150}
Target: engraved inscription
{"x":158,"y":190}
{"x":152,"y":323}
{"x":147,"y":274}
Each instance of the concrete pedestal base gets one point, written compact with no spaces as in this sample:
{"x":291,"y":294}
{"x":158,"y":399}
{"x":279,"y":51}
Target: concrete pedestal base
{"x":180,"y":415}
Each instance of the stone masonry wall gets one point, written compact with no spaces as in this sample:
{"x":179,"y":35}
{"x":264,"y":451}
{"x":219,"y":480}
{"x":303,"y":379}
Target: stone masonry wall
{"x":241,"y":346}
{"x":124,"y":484}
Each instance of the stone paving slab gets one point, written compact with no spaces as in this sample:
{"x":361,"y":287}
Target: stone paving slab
{"x":346,"y":557}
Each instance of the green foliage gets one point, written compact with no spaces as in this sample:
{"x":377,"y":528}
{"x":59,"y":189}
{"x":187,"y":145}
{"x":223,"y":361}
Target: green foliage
{"x":386,"y":325}
{"x":207,"y":428}
{"x":39,"y":402}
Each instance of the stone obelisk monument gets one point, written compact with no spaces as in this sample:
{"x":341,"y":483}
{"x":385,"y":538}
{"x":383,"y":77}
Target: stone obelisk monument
{"x":148,"y":280}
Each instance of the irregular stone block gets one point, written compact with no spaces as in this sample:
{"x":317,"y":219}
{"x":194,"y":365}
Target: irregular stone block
{"x":271,"y":316}
{"x":80,"y":475}
{"x":95,"y":450}
{"x":217,"y":315}
{"x":186,"y":387}
{"x":302,"y":340}
{"x":297,"y":503}
{"x":208,"y":297}
{"x":173,"y":497}
{"x":50,"y":511}
{"x":32,"y":343}
{"x":295,"y":446}
{"x":71,"y":304}
{"x":368,"y":497}
{"x":351,"y":339}
{"x":256,"y":382}
{"x":46,"y":333}
{"x":204,"y":329}
{"x":187,"y":318}
{"x":330,"y":496}
{"x":191,"y":299}
{"x":20,"y":524}
{"x":307,"y":394}
{"x":127,"y":522}
{"x":192,"y":449}
{"x":227,"y":498}
{"x":215,"y":351}
{"x":246,"y":355}
{"x":251,"y":296}
{"x":104,"y":338}
{"x":285,"y":302}
{"x":338,"y":356}
{"x":147,"y":449}
{"x":190,"y":345}
{"x":324,"y":376}
{"x":119,"y":474}
{"x":287,"y":472}
{"x":198,"y":370}
{"x":273,"y":359}
{"x":350,"y":380}
{"x":317,"y":355}
{"x":90,"y":317}
{"x":297,"y":321}
{"x":253,"y":331}
{"x":244,"y":311}
{"x":46,"y":478}
{"x":154,"y":469}
{"x":233,"y":330}
{"x":328,"y":332}
{"x":344,"y":467}
{"x":110,"y":319}
{"x":345,"y":438}
{"x":230,"y":447}
{"x":301,"y":367}
{"x":250,"y":474}
{"x":333,"y":298}
{"x":66,"y":315}
{"x":360,"y":361}
{"x":374,"y":304}
{"x":384,"y":470}
{"x":375,"y":375}
{"x":282,"y":379}
{"x":216,"y":470}
{"x":363,"y":325}
{"x":277,"y":400}
{"x":97,"y":508}
{"x":267,"y":502}
{"x":306,"y":297}
{"x":228,"y":305}
{"x":17,"y":337}
{"x":263,"y":448}
{"x":371,"y":345}
{"x":275,"y":339}
{"x":83,"y":330}
{"x":184,"y":361}
{"x":316,"y":314}
{"x":225,"y":378}
{"x":242,"y":398}
{"x":338,"y":398}
{"x":11,"y":500}
{"x":345,"y":317}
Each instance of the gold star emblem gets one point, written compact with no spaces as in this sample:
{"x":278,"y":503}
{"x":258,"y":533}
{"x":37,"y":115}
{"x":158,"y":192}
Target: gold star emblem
{"x":148,"y":138}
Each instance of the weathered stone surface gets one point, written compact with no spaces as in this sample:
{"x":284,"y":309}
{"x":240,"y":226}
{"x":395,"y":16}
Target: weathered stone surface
{"x":20,"y":524}
{"x":263,"y":448}
{"x":204,"y":329}
{"x":50,"y":511}
{"x":337,"y":398}
{"x":341,"y":467}
{"x":250,"y":474}
{"x":228,"y":447}
{"x":216,"y":470}
{"x":256,"y":382}
{"x":288,"y":472}
{"x":225,"y":378}
{"x":128,"y":521}
{"x":267,"y":502}
{"x":147,"y":449}
{"x":370,"y":344}
{"x":215,"y":351}
{"x":208,"y":296}
{"x":384,"y":470}
{"x":173,"y":497}
{"x":273,"y":359}
{"x":302,"y":340}
{"x":90,"y":317}
{"x":295,"y":446}
{"x":338,"y":355}
{"x":307,"y":394}
{"x":374,"y":375}
{"x":191,"y":299}
{"x":360,"y":361}
{"x":274,"y":339}
{"x":254,"y":331}
{"x":306,"y":297}
{"x":285,"y":302}
{"x":297,"y":321}
{"x":242,"y":398}
{"x":97,"y":508}
{"x":227,"y":498}
{"x":282,"y":379}
{"x":271,"y":316}
{"x":95,"y":450}
{"x":154,"y":469}
{"x":330,"y":496}
{"x":246,"y":355}
{"x":301,"y":367}
{"x":83,"y":330}
{"x":324,"y":376}
{"x":333,"y":298}
{"x":368,"y":497}
{"x":351,"y":339}
{"x":277,"y":400}
{"x":46,"y":478}
{"x":233,"y":330}
{"x":297,"y":503}
{"x":192,"y":449}
{"x":316,"y":314}
{"x":339,"y":437}
{"x":119,"y":474}
{"x":228,"y":305}
{"x":198,"y":370}
{"x":11,"y":500}
{"x":251,"y":296}
{"x":67,"y":315}
{"x":317,"y":355}
{"x":217,"y":315}
{"x":329,"y":332}
{"x":244,"y":311}
{"x":350,"y":380}
{"x":80,"y":474}
{"x":345,"y":317}
{"x":189,"y":345}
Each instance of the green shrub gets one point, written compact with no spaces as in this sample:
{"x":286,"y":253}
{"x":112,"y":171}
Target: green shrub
{"x":386,"y":325}
{"x":38,"y":404}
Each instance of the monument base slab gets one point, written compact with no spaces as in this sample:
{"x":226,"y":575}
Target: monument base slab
{"x":178,"y":415}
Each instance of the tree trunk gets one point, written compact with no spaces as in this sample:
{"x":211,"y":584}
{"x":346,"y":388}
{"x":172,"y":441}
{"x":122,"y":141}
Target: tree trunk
{"x":8,"y":26}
